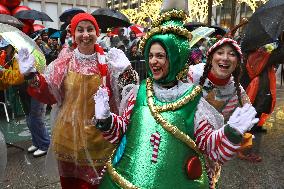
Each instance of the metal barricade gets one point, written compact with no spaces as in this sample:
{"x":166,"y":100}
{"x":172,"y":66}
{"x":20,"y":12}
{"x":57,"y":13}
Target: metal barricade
{"x":5,"y":106}
{"x":140,"y":67}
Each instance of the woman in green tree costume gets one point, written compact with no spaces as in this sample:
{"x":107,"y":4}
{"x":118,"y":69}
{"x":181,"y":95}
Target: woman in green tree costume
{"x":170,"y":137}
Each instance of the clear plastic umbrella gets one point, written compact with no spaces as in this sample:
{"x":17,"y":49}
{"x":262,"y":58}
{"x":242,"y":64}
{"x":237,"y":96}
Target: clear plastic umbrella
{"x":18,"y":40}
{"x":199,"y":33}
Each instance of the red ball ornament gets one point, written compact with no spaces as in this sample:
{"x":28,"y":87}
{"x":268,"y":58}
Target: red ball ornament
{"x":19,"y":8}
{"x":10,"y":4}
{"x":37,"y":27}
{"x":194,"y":168}
{"x":4,"y":10}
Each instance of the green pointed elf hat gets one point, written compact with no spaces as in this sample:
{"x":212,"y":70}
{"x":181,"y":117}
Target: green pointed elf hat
{"x":168,"y":29}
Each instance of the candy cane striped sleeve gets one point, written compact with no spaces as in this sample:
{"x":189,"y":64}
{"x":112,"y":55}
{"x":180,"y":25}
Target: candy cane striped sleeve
{"x":211,"y":141}
{"x":119,"y":123}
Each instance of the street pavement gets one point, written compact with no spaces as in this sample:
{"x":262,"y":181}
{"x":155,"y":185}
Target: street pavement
{"x":24,"y":171}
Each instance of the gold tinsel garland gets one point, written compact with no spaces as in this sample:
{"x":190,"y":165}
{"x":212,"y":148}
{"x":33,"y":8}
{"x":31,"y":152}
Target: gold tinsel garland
{"x":165,"y":29}
{"x":174,"y":105}
{"x":179,"y":14}
{"x":117,"y":178}
{"x":167,"y":126}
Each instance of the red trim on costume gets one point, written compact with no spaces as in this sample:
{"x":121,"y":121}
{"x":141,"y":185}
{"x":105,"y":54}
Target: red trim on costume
{"x":217,"y":81}
{"x":41,"y":93}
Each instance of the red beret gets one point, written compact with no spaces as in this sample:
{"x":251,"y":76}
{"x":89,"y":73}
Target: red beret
{"x":81,"y":17}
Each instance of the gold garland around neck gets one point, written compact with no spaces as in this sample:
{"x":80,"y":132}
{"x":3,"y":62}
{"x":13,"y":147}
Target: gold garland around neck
{"x":172,"y":105}
{"x":155,"y":111}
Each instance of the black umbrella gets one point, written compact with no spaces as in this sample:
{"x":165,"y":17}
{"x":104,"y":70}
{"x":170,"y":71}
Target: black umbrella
{"x":11,"y":20}
{"x":264,"y":26}
{"x":49,"y":31}
{"x":218,"y":30}
{"x":193,"y":25}
{"x":68,"y":14}
{"x":108,"y":18}
{"x":33,"y":15}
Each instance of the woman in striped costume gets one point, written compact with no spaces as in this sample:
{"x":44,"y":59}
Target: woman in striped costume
{"x":220,"y":78}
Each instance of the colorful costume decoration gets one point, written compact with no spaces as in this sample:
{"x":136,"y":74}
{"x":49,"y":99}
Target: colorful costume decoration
{"x":192,"y":139}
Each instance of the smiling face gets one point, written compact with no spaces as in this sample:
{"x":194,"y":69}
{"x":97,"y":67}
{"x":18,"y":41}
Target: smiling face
{"x":158,"y":61}
{"x":85,"y":37}
{"x":224,"y":61}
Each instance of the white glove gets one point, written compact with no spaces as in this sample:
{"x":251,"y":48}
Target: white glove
{"x":243,"y":119}
{"x":118,"y":60}
{"x":26,"y":61}
{"x":102,"y":109}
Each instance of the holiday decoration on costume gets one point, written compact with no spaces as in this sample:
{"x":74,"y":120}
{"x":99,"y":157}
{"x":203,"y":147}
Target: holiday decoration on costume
{"x":155,"y":142}
{"x":194,"y":168}
{"x":102,"y":63}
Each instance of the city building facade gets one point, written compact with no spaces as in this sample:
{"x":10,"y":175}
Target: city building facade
{"x":54,"y":8}
{"x":123,"y":4}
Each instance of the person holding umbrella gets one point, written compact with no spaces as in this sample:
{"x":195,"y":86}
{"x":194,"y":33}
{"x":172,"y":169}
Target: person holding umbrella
{"x":34,"y":110}
{"x":70,"y":81}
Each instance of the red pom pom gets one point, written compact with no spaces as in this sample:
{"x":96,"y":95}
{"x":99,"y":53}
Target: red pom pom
{"x":194,"y":168}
